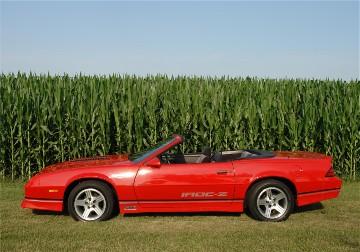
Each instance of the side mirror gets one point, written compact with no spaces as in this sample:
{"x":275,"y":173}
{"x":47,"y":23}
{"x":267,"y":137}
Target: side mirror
{"x":154,"y":163}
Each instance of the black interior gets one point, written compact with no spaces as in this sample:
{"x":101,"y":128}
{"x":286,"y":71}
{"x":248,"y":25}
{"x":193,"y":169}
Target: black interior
{"x":206,"y":156}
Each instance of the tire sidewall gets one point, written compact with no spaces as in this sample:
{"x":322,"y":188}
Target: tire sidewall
{"x":254,"y":194}
{"x":92,"y":184}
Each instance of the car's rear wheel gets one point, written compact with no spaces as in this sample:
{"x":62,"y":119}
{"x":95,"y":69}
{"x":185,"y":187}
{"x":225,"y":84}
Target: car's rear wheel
{"x":270,"y":200}
{"x":91,"y":201}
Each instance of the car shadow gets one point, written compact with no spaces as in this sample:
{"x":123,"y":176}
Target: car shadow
{"x":65,"y":213}
{"x":297,"y":210}
{"x":308,"y":208}
{"x":45,"y":212}
{"x":127,"y":215}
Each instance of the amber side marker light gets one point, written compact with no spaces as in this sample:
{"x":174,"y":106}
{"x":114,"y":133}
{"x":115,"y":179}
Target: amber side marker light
{"x":53,"y":190}
{"x":330,"y":173}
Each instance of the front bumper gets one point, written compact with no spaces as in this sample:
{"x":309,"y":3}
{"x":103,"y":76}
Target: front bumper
{"x":41,"y":204}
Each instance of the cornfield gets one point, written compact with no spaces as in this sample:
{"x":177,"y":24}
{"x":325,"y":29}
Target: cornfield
{"x":47,"y":119}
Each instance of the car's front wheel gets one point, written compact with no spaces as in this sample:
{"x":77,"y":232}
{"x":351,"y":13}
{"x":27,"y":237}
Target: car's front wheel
{"x":91,"y":201}
{"x":270,"y":200}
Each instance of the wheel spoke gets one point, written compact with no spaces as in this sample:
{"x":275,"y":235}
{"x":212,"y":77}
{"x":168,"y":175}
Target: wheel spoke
{"x":86,"y":213}
{"x":80,"y":202}
{"x":88,"y":194}
{"x":279,"y":209}
{"x":98,"y":211}
{"x":267,"y":211}
{"x":261,"y":202}
{"x":279,"y":196}
{"x":99,"y":198}
{"x":268,"y":193}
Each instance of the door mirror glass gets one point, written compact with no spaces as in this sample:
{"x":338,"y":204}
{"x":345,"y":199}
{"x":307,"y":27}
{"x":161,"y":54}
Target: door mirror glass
{"x":155,"y":163}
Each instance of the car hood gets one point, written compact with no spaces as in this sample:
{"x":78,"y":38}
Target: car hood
{"x":101,"y":161}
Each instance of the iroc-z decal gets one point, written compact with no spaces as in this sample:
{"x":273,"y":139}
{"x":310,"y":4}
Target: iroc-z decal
{"x":203,"y":194}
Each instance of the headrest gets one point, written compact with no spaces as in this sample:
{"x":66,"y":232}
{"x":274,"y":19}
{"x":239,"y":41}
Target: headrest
{"x":207,"y":151}
{"x":217,"y":157}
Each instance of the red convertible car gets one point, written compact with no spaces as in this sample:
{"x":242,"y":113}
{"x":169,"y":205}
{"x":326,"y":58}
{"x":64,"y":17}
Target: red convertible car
{"x":158,"y":179}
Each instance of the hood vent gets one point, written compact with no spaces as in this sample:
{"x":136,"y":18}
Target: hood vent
{"x":89,"y":159}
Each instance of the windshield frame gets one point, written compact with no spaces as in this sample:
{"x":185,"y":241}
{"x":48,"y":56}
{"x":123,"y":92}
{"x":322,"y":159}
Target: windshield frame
{"x":155,"y":149}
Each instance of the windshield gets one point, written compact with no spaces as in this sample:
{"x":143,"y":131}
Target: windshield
{"x":141,"y":155}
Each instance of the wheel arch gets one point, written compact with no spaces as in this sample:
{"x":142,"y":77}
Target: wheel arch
{"x":286,"y":181}
{"x":74,"y":183}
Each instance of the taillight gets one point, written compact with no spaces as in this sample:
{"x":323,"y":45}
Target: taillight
{"x":330,"y":173}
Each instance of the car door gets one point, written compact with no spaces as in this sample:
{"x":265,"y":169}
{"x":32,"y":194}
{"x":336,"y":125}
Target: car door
{"x":183,"y":185}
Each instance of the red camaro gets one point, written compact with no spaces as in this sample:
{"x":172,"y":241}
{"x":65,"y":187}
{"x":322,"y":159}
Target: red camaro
{"x":158,"y":179}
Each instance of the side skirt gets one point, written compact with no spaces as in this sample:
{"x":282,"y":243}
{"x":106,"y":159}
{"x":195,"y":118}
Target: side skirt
{"x":180,"y":206}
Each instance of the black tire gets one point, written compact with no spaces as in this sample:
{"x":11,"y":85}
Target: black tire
{"x":91,"y":201}
{"x":270,"y":200}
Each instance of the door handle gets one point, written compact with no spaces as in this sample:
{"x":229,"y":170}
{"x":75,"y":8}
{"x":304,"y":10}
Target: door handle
{"x":222,"y":171}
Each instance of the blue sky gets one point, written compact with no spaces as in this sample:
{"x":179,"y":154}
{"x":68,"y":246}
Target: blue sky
{"x":305,"y":39}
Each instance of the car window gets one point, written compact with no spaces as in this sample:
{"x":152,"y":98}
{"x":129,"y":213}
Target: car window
{"x":141,"y":155}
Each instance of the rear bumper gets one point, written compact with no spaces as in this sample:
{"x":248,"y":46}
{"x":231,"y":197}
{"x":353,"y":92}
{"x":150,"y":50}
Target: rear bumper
{"x":313,"y":197}
{"x":331,"y":189}
{"x":41,"y":204}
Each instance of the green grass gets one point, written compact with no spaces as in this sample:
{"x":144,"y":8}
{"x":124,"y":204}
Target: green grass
{"x":333,"y":225}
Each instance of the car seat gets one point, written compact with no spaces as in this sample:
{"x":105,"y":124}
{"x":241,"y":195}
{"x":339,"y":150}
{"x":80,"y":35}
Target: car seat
{"x":205,"y":157}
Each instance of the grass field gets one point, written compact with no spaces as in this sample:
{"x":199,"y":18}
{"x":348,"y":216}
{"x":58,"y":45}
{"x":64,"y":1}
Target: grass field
{"x":333,"y":225}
